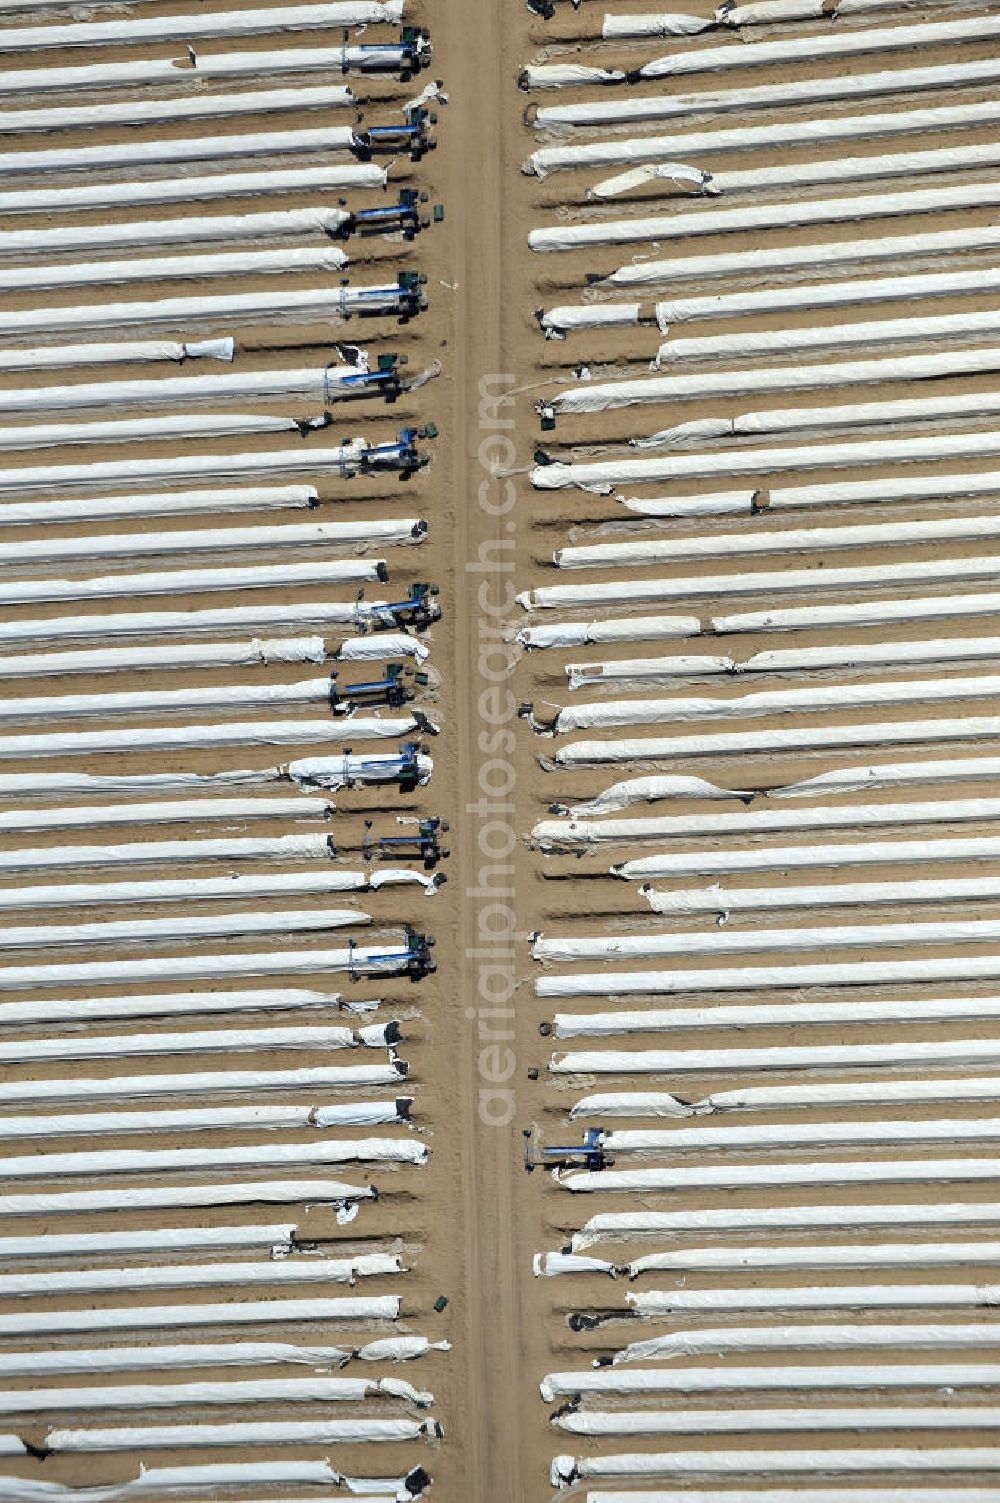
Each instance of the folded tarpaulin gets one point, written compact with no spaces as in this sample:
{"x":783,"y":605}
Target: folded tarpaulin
{"x":628,"y":629}
{"x":649,"y":790}
{"x":658,"y":24}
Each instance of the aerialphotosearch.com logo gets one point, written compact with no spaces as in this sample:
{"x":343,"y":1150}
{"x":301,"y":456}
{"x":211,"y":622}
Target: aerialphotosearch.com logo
{"x":491,"y":959}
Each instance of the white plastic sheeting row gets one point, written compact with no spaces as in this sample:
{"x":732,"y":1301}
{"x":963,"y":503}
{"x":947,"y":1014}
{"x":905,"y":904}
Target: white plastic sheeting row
{"x":772,"y":581}
{"x":348,"y":728}
{"x":810,"y":540}
{"x":185,"y":28}
{"x":79,"y":1090}
{"x":258,"y":651}
{"x":160,"y":1396}
{"x":249,"y":1312}
{"x":941,"y":932}
{"x":340,"y":459}
{"x":602,"y":396}
{"x":380,"y":530}
{"x":347,"y":769}
{"x":793,"y":132}
{"x":160,"y":504}
{"x":949,"y":1055}
{"x":885,"y":733}
{"x":178,"y":1480}
{"x":273,"y":224}
{"x":175,"y":268}
{"x":612,"y":1225}
{"x":833,"y":894}
{"x":572,"y":236}
{"x":113,"y":196}
{"x":208,"y":889}
{"x":831,"y":45}
{"x":762,"y":1378}
{"x":211,"y":1119}
{"x":387,"y":957}
{"x":194,"y":1275}
{"x":162,"y":111}
{"x":160,"y":1197}
{"x":203,"y":1354}
{"x":602,"y":475}
{"x":770,"y":820}
{"x":131,"y":153}
{"x":190,"y":929}
{"x":767,"y":1015}
{"x":741,"y":1464}
{"x":792,"y":175}
{"x":224,"y":1040}
{"x":841,"y":86}
{"x":755,"y":978}
{"x":176,"y":813}
{"x":355,"y":614}
{"x":310,"y":691}
{"x":323,"y":386}
{"x":194,"y":581}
